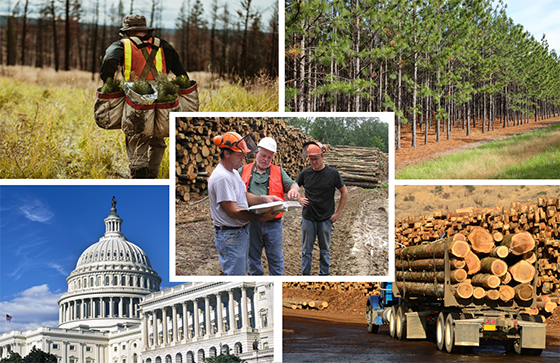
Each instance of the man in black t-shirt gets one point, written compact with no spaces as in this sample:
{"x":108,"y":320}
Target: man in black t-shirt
{"x":320,"y":182}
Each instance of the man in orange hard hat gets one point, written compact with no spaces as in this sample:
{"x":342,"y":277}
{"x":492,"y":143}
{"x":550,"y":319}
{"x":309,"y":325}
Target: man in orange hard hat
{"x":263,"y":178}
{"x":229,"y":201}
{"x":320,"y":182}
{"x":141,"y":56}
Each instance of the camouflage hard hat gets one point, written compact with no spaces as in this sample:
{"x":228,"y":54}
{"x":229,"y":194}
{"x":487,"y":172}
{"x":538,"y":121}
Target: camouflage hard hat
{"x":135,"y":22}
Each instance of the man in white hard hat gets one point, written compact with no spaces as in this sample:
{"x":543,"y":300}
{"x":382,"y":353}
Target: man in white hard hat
{"x":263,"y":178}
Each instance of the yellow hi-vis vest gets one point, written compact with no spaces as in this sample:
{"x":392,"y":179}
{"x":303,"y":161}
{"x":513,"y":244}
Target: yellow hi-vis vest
{"x":136,"y":59}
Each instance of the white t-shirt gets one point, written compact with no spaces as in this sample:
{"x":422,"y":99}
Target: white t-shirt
{"x":226,"y":186}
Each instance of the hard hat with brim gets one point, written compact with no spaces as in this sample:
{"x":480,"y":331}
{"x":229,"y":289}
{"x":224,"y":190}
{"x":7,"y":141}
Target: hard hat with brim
{"x":268,"y":143}
{"x":313,"y":148}
{"x":233,"y":141}
{"x":135,"y":22}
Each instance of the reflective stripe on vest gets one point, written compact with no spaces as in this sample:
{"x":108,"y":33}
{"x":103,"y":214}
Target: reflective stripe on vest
{"x":275,"y":186}
{"x":134,"y":61}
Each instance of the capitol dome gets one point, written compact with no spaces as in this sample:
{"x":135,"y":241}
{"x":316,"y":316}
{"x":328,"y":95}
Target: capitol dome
{"x":111,"y":278}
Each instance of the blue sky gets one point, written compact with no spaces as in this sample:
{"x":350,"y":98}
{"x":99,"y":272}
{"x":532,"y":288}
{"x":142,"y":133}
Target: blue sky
{"x":45,"y":229}
{"x":538,"y":17}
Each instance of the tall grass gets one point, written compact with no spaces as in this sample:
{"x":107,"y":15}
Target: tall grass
{"x":49,"y":132}
{"x":257,"y":95}
{"x":532,"y":155}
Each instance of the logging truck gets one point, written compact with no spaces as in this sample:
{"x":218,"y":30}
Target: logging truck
{"x":421,"y":302}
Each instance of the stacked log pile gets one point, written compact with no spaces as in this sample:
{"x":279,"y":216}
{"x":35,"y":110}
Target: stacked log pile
{"x":540,"y":220}
{"x":477,"y":270}
{"x":197,"y":156}
{"x":300,"y":303}
{"x":367,"y":288}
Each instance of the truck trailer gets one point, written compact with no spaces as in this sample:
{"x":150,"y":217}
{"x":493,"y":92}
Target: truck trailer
{"x":415,"y":310}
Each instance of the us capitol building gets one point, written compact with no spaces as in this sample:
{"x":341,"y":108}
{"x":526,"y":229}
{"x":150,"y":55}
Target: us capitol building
{"x":114,"y":312}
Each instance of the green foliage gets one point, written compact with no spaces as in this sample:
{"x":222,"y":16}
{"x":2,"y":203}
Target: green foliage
{"x":167,"y":90}
{"x":38,"y":356}
{"x":112,"y":86}
{"x":183,"y":82}
{"x":142,"y":87}
{"x":14,"y":357}
{"x":351,"y":131}
{"x":224,"y":358}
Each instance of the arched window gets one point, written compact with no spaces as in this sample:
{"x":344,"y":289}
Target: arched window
{"x":200,"y":355}
{"x":212,"y":352}
{"x":91,"y":282}
{"x":115,"y":281}
{"x":178,"y":358}
{"x":225,"y":349}
{"x":106,"y":280}
{"x":238,"y":348}
{"x":168,"y":359}
{"x":190,"y":357}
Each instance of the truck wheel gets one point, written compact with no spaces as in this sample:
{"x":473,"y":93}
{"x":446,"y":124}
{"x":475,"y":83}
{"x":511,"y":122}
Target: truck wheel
{"x":440,"y":331}
{"x":449,"y":333}
{"x":370,"y":316}
{"x":401,"y":324}
{"x":525,"y":351}
{"x":392,"y":322}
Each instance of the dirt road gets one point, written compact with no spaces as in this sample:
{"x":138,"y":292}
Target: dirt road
{"x":359,"y":246}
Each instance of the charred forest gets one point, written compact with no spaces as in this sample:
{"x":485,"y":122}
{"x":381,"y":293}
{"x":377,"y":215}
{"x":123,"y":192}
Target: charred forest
{"x":73,"y":35}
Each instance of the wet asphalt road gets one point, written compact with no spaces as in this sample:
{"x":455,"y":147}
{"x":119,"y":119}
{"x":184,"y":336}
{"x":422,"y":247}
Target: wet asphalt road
{"x":307,"y":340}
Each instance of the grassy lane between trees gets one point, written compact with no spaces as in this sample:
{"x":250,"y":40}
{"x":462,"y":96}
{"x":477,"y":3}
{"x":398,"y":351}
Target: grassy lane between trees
{"x":532,"y":155}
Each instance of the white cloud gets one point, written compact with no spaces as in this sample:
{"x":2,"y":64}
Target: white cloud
{"x":59,"y":268}
{"x":31,"y":308}
{"x":36,"y":211}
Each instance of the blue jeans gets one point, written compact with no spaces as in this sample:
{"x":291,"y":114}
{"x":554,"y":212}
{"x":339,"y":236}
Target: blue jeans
{"x":233,"y":247}
{"x":269,"y":236}
{"x":310,"y":230}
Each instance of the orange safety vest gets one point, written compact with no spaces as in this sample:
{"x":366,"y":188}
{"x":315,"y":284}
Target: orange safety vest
{"x":136,"y":54}
{"x":275,"y":186}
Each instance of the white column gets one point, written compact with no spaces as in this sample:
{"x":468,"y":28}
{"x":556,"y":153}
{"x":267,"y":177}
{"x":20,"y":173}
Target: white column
{"x":231,"y":312}
{"x":156,"y":334}
{"x":121,"y":307}
{"x":195,"y":323}
{"x":207,"y":324}
{"x":219,"y":318}
{"x":145,"y":330}
{"x":154,"y":322}
{"x":244,"y":318}
{"x":111,"y":307}
{"x":185,"y":321}
{"x":164,"y":324}
{"x":130,"y":307}
{"x":175,"y":327}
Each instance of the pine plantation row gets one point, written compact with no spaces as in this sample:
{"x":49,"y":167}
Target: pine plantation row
{"x":442,"y":64}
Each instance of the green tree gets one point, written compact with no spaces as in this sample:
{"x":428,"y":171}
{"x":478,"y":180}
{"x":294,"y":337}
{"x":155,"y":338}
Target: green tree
{"x":224,"y":358}
{"x":12,"y":358}
{"x":38,"y":356}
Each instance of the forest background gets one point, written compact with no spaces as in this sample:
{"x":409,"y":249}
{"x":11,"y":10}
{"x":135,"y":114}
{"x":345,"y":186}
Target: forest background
{"x":440,"y":65}
{"x":227,"y":38}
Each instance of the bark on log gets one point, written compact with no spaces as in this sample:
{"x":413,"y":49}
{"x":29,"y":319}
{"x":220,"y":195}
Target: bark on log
{"x":488,"y":281}
{"x":547,"y":306}
{"x":455,"y":276}
{"x":426,"y":264}
{"x":481,"y":240}
{"x":499,"y":252}
{"x":524,"y":292}
{"x":462,"y":290}
{"x":494,"y":266}
{"x":519,"y":243}
{"x":437,"y":250}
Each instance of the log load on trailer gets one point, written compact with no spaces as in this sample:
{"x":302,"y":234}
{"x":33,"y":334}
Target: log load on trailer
{"x":438,"y":288}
